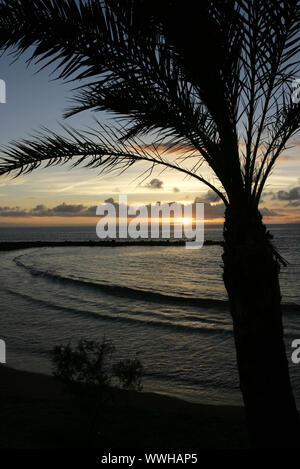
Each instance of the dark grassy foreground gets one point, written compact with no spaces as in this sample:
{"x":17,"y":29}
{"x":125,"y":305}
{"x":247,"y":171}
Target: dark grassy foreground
{"x":37,"y":413}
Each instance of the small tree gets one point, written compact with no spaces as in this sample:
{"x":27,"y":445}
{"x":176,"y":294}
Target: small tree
{"x":87,"y":371}
{"x":129,"y":372}
{"x":87,"y":368}
{"x":84,"y":367}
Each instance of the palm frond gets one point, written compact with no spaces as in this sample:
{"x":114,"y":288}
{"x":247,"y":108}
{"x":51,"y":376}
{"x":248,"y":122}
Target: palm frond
{"x":199,"y":74}
{"x":98,"y":148}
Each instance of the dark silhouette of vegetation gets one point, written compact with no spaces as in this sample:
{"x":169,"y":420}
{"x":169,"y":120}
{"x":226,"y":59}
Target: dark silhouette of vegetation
{"x":88,"y":368}
{"x":129,"y":373}
{"x":88,"y":373}
{"x":211,"y":82}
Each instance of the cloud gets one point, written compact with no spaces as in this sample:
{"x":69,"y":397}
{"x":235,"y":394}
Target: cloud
{"x":62,"y":210}
{"x":211,"y":211}
{"x":269,"y":194}
{"x":155,"y":184}
{"x":70,"y":209}
{"x":12,"y":212}
{"x":292,"y":194}
{"x":210,"y":196}
{"x":266,"y":212}
{"x":79,"y":210}
{"x":294,"y":203}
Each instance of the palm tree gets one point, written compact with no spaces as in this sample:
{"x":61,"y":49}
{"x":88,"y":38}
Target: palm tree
{"x":211,"y":79}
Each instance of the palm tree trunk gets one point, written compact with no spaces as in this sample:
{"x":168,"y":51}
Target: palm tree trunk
{"x":251,"y":269}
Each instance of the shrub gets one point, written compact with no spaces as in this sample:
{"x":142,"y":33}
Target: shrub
{"x":87,"y":367}
{"x":129,"y":372}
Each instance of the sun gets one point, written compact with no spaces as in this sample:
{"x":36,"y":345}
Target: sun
{"x":185,"y":220}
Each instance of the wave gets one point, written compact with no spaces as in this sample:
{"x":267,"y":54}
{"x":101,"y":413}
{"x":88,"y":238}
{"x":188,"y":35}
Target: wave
{"x":141,"y":295}
{"x":185,"y":379}
{"x":126,"y":319}
{"x":128,"y":292}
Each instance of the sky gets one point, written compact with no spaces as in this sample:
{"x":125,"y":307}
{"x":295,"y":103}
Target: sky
{"x":61,"y":195}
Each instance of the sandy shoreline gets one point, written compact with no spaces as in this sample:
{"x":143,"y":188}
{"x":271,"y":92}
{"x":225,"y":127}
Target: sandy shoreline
{"x":28,"y":384}
{"x":34,"y":400}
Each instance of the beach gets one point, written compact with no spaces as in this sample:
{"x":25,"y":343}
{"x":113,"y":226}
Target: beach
{"x":36,"y":412}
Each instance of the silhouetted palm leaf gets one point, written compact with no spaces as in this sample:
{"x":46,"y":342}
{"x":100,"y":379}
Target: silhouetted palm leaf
{"x":213,"y":75}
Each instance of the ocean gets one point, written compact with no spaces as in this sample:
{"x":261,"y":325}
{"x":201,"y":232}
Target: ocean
{"x":146,"y":299}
